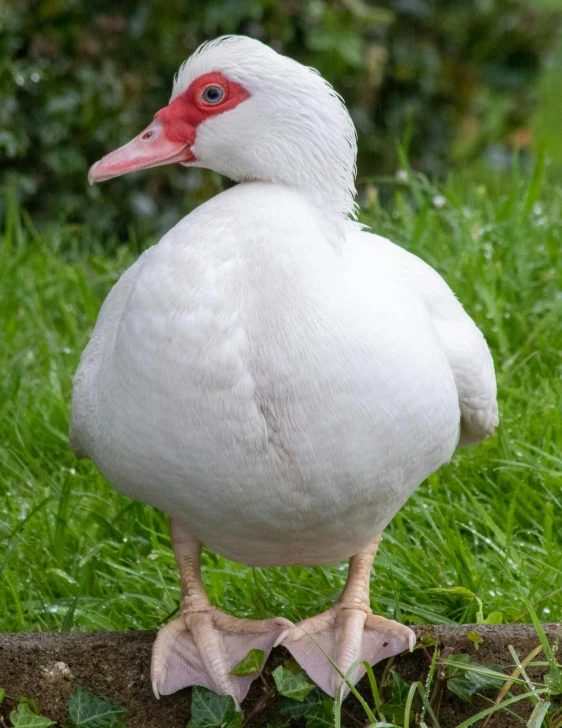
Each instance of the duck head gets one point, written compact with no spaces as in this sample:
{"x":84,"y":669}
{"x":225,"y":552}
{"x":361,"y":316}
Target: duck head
{"x":249,"y":113}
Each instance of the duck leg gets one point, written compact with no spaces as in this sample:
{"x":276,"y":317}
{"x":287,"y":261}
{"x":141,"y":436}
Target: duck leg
{"x":202,"y":645}
{"x":347,"y":632}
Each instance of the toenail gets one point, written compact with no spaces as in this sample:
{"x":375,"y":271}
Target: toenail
{"x":282,"y":622}
{"x":284,"y":634}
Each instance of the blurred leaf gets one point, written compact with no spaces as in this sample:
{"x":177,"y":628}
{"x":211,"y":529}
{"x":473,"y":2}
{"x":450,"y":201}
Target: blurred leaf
{"x":535,"y":184}
{"x":458,"y":591}
{"x":494,"y":618}
{"x":475,"y":638}
{"x":69,"y":616}
{"x":547,"y":116}
{"x":549,"y":4}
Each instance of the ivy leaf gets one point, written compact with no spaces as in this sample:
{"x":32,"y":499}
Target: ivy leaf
{"x":394,"y":708}
{"x":89,"y":711}
{"x":250,"y":664}
{"x":462,"y":688}
{"x":24,"y":717}
{"x":292,"y":666}
{"x":2,"y":694}
{"x":322,"y":715}
{"x":292,"y":686}
{"x":400,"y":689}
{"x":235,"y":721}
{"x":32,"y":704}
{"x":299,"y":709}
{"x":209,"y":710}
{"x":467,"y":684}
{"x":459,"y":661}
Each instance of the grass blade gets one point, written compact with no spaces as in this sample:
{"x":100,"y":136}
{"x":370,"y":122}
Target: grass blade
{"x":475,"y":718}
{"x":515,"y":674}
{"x":539,"y":714}
{"x":534,"y":189}
{"x":68,"y":620}
{"x":409,"y":700}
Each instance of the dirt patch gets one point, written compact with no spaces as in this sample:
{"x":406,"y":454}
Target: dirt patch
{"x":115,"y":665}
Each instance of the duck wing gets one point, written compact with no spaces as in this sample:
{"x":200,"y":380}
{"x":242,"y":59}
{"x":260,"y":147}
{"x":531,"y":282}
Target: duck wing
{"x":462,"y":341}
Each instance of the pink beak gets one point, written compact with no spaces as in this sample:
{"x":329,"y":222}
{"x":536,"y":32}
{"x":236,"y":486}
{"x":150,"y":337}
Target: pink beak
{"x":150,"y":148}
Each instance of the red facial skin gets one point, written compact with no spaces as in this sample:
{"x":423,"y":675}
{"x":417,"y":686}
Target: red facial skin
{"x":182,"y":117}
{"x":173,"y":132}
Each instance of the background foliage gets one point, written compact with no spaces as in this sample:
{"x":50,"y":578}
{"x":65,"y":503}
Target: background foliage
{"x":474,"y":541}
{"x":80,"y":77}
{"x":457,"y":82}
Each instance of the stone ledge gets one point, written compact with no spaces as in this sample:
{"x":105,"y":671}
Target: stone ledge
{"x":47,"y":666}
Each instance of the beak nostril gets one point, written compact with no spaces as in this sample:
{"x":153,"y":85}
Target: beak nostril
{"x":152,"y":147}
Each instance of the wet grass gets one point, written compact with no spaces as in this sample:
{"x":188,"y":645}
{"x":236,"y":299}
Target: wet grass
{"x":74,"y":554}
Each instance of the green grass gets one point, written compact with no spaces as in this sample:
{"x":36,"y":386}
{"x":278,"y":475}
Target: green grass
{"x":74,"y":554}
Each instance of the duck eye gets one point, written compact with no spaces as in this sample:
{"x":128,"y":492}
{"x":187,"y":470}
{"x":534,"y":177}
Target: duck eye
{"x":213,"y":95}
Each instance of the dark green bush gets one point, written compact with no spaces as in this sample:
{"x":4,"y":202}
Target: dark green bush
{"x":82,"y":76}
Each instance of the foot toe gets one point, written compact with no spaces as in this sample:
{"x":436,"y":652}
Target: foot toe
{"x":344,"y":637}
{"x":202,"y":648}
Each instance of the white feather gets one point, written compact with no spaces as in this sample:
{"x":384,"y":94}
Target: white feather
{"x":269,"y":374}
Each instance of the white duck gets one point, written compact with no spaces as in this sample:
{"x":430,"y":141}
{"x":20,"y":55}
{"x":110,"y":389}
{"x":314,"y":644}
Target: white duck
{"x":274,"y":378}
